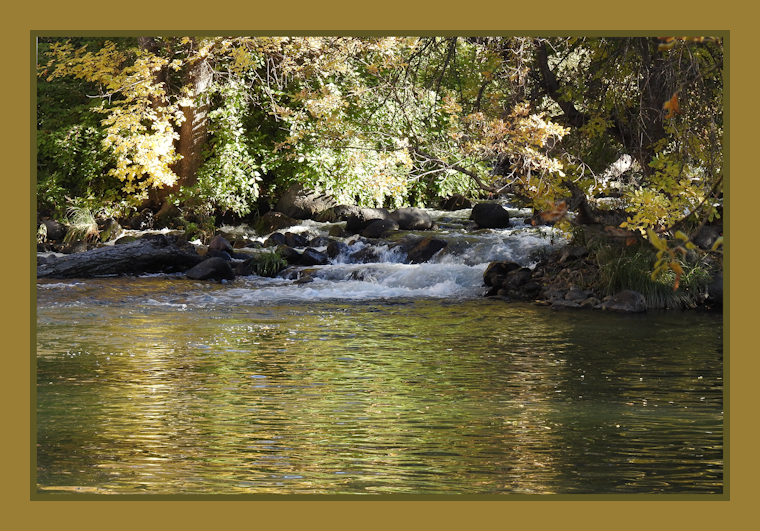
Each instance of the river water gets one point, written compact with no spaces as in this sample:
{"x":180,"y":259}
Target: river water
{"x":383,"y":378}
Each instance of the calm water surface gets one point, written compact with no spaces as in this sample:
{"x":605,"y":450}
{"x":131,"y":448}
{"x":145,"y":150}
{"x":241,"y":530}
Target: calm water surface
{"x":158,"y":385}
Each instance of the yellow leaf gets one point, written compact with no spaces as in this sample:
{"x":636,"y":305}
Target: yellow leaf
{"x":672,"y":107}
{"x":662,"y":245}
{"x":717,"y":244}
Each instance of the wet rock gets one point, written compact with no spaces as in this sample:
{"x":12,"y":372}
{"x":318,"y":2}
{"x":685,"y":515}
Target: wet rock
{"x":319,"y":241}
{"x":366,"y":255}
{"x":276,"y":239}
{"x":362,"y":219}
{"x":412,"y":219}
{"x":495,"y":274}
{"x":456,"y":202}
{"x":300,"y":203}
{"x":335,"y":248}
{"x":311,"y":256}
{"x":295,"y":240}
{"x":379,"y":228}
{"x":211,"y":268}
{"x":490,"y":216}
{"x":576,"y":294}
{"x":336,"y":231}
{"x":626,"y":301}
{"x":562,"y":304}
{"x":425,"y":250}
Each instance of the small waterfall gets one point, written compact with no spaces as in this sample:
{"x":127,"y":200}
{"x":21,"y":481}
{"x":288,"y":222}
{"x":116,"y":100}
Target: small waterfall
{"x":382,"y":272}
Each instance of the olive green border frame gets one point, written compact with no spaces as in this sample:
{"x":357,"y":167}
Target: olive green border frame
{"x":392,"y":14}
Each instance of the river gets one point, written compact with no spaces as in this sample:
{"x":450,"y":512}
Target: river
{"x":383,"y":378}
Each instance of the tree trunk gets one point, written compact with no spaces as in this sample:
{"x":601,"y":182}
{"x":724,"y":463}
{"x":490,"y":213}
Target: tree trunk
{"x":155,"y":254}
{"x":193,"y":132}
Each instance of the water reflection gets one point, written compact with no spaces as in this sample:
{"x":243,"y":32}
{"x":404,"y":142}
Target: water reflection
{"x":414,"y":397}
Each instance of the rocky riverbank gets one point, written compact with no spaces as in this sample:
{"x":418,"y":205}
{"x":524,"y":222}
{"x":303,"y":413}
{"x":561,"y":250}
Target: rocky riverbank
{"x":563,"y":278}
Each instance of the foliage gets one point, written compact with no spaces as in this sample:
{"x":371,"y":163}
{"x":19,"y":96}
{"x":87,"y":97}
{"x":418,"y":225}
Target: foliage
{"x":266,"y":264}
{"x":391,"y":121}
{"x":82,"y":225}
{"x":628,"y":268}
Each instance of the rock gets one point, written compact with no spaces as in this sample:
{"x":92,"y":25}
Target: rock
{"x":142,"y":221}
{"x":335,"y":248}
{"x":412,"y":219}
{"x":425,"y":250}
{"x":55,"y":231}
{"x":74,"y":247}
{"x":273,"y":221}
{"x":706,"y":237}
{"x":572,"y":253}
{"x":275,"y":239}
{"x":300,"y":203}
{"x":110,"y":230}
{"x":495,"y":274}
{"x":311,"y":257}
{"x":456,"y":202}
{"x":336,"y":231}
{"x":219,"y":243}
{"x":490,"y":216}
{"x":290,"y":255}
{"x":319,"y":241}
{"x":295,"y":240}
{"x":211,"y":268}
{"x":366,"y":255}
{"x":576,"y":294}
{"x":561,"y":304}
{"x":715,"y":290}
{"x":380,"y":227}
{"x":626,"y":301}
{"x":362,"y":219}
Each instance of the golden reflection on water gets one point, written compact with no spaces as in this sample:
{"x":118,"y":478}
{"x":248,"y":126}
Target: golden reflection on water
{"x":412,"y":398}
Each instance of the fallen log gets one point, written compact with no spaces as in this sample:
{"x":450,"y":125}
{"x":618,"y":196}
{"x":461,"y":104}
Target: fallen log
{"x":154,"y":254}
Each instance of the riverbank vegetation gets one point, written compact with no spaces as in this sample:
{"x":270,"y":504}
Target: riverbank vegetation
{"x":621,"y":135}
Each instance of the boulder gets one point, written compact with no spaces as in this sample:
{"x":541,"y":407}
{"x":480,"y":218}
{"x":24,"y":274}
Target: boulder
{"x":456,"y":202}
{"x":311,"y":257}
{"x":211,"y":268}
{"x":362,"y":219}
{"x":626,"y":301}
{"x":412,"y":219}
{"x":300,"y":203}
{"x":490,"y":216}
{"x":219,"y":243}
{"x":295,"y":240}
{"x":276,"y":239}
{"x":54,"y":231}
{"x":425,"y":250}
{"x":379,"y":227}
{"x":495,"y":274}
{"x":274,"y":221}
{"x":335,"y":248}
{"x":706,"y":237}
